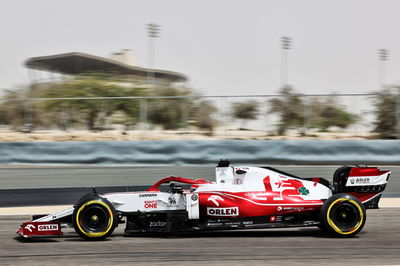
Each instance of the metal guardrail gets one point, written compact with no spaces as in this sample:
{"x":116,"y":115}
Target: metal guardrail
{"x":180,"y":152}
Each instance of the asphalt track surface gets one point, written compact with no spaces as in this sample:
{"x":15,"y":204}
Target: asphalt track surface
{"x":52,"y":185}
{"x":377,"y":244}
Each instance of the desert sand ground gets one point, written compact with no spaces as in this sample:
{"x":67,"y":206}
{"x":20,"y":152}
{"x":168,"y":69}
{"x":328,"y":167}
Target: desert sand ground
{"x":81,"y":135}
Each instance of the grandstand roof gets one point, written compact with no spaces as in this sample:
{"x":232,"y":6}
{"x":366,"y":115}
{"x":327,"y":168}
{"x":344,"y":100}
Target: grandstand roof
{"x":80,"y":63}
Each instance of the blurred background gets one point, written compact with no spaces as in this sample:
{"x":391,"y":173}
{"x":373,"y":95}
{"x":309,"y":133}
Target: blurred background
{"x":159,"y":70}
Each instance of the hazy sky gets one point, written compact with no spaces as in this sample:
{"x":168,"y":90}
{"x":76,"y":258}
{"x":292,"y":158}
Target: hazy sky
{"x":225,"y":47}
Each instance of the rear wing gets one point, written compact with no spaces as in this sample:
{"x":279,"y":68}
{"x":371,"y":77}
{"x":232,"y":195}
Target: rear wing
{"x":365,"y":183}
{"x":360,"y":179}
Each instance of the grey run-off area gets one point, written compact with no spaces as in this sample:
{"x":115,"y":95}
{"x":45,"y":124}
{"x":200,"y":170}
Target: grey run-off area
{"x":377,"y":244}
{"x":51,"y":185}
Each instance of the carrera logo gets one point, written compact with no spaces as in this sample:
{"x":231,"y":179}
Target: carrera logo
{"x":147,"y":195}
{"x":233,"y":211}
{"x":48,"y":227}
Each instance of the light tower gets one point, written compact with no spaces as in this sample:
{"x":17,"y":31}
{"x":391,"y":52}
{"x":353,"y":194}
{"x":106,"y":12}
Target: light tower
{"x":383,"y":57}
{"x":153,"y":31}
{"x":286,"y":43}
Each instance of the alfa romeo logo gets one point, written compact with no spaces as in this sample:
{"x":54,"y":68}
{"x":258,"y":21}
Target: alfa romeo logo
{"x":303,"y":191}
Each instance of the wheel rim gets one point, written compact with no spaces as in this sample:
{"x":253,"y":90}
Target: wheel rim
{"x":94,"y":219}
{"x":345,"y":216}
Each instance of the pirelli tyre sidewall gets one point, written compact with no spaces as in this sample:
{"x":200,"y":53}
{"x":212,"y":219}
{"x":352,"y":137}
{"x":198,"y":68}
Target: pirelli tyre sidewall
{"x":343,"y":215}
{"x":94,"y":218}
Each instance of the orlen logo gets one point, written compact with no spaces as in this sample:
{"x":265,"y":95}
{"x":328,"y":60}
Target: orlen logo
{"x":215,"y":199}
{"x":233,"y":211}
{"x":150,"y":204}
{"x":47,"y":227}
{"x":30,"y":227}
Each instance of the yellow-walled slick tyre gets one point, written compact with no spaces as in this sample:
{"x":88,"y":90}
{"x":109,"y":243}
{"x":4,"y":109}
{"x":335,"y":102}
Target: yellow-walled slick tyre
{"x":94,"y":218}
{"x":343,"y":215}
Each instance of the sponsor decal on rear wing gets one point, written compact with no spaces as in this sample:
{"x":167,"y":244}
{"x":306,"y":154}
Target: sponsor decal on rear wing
{"x":370,"y":176}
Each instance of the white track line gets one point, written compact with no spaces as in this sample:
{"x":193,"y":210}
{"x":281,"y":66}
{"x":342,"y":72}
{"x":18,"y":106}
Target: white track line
{"x":32,"y":210}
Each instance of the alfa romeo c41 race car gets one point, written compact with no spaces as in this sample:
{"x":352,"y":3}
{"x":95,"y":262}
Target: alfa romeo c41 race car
{"x":242,"y":197}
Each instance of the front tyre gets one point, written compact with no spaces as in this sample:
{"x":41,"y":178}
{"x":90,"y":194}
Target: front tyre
{"x":343,"y":215}
{"x":94,"y":218}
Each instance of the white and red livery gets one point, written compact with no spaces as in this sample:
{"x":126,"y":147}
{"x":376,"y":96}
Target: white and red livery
{"x":241,"y":197}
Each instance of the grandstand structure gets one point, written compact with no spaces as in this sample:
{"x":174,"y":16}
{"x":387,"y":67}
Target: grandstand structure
{"x":118,"y":67}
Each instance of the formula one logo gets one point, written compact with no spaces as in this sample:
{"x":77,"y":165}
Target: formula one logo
{"x":233,"y":211}
{"x":47,"y":227}
{"x":215,"y":199}
{"x":30,"y":227}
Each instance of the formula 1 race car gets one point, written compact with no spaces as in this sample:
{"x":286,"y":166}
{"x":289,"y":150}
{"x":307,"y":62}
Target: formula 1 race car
{"x":242,"y":197}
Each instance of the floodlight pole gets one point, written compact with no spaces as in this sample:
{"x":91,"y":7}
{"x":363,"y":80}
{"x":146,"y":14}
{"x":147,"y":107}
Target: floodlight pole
{"x":28,"y":110}
{"x":398,"y":113}
{"x":383,"y":57}
{"x":152,"y":33}
{"x":286,"y":43}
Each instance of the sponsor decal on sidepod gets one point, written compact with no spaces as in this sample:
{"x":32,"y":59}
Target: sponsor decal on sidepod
{"x":148,"y":195}
{"x":150,"y":204}
{"x":232,"y":211}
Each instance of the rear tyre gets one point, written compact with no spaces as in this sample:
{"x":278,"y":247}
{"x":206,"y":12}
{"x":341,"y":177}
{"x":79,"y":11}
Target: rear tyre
{"x":343,"y":215}
{"x":94,"y":218}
